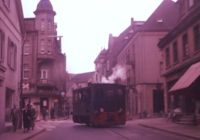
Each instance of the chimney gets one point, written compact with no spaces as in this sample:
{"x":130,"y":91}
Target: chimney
{"x":132,"y":21}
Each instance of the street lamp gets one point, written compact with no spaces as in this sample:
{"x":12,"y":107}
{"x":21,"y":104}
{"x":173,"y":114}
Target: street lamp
{"x":21,"y":102}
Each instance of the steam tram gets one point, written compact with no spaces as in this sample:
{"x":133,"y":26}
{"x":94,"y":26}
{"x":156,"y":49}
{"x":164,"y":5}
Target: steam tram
{"x":100,"y":105}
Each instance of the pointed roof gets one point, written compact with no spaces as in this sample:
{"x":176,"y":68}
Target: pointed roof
{"x":44,"y":6}
{"x":164,"y":18}
{"x":118,"y":43}
{"x":184,"y":22}
{"x":20,"y":15}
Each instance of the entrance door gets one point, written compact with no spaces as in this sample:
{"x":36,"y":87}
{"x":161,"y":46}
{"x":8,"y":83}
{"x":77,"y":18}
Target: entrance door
{"x":158,"y":101}
{"x":44,"y":103}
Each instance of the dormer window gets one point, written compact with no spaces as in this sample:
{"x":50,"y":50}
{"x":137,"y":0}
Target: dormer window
{"x":159,"y":20}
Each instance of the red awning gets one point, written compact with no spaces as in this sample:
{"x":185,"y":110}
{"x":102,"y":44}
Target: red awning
{"x":187,"y":78}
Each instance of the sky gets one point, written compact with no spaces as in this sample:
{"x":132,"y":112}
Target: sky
{"x":86,"y":24}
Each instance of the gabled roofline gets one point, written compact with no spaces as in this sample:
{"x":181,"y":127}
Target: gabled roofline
{"x":20,"y":15}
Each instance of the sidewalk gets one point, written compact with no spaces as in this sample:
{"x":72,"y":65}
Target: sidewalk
{"x":154,"y":123}
{"x":20,"y":135}
{"x":168,"y":126}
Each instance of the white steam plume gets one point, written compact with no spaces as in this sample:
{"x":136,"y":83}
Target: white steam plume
{"x":119,"y":72}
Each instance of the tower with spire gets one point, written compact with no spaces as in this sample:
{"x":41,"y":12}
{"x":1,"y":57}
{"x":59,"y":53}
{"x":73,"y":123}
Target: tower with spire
{"x":43,"y":62}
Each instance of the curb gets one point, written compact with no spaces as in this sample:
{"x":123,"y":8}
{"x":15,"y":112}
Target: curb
{"x":168,"y":131}
{"x":35,"y":134}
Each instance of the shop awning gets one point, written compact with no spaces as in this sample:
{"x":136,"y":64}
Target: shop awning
{"x":187,"y":78}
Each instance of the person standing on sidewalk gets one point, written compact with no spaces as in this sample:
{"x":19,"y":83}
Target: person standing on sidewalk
{"x":33,"y":116}
{"x":14,"y":117}
{"x":27,"y":118}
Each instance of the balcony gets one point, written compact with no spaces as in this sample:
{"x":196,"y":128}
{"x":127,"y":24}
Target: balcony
{"x":46,"y":83}
{"x":46,"y":56}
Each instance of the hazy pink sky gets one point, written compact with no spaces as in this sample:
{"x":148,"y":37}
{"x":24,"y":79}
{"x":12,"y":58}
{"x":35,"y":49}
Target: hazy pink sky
{"x":85,"y":25}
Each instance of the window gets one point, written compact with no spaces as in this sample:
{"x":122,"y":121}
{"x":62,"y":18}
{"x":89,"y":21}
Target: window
{"x":49,"y":47}
{"x":27,"y":48}
{"x":196,"y":31}
{"x":44,"y":74}
{"x":191,"y":3}
{"x":26,"y":71}
{"x":6,"y":3}
{"x":185,"y":45}
{"x":49,"y":24}
{"x":42,"y":24}
{"x":167,"y":57}
{"x":2,"y":43}
{"x":175,"y":52}
{"x":42,"y":46}
{"x":12,"y":54}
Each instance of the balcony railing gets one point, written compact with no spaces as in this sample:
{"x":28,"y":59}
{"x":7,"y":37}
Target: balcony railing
{"x":46,"y":83}
{"x":47,"y":55}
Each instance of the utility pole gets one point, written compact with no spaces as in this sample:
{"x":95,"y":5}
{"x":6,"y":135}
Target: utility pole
{"x":21,"y":102}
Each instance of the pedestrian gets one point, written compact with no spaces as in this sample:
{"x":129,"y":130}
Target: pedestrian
{"x":14,"y":117}
{"x":33,"y":116}
{"x":52,"y":113}
{"x":44,"y":113}
{"x":26,"y":118}
{"x":177,"y":114}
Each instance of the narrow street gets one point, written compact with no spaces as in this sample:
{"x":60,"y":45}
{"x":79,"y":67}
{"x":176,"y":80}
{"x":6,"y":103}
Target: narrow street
{"x":66,"y":129}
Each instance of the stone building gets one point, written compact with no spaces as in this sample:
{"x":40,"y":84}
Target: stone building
{"x":109,"y":69}
{"x":181,"y":57}
{"x":44,"y":64}
{"x":145,"y":57}
{"x":11,"y":40}
{"x":135,"y":49}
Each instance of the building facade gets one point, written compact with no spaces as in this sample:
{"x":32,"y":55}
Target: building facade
{"x":181,"y":57}
{"x":11,"y":40}
{"x":126,"y":59}
{"x":135,"y":49}
{"x":147,"y":65}
{"x":44,"y":64}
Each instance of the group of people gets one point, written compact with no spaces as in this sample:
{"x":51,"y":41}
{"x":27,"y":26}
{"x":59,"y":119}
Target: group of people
{"x":28,"y":115}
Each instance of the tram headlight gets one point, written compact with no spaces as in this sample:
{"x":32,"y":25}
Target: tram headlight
{"x":101,"y":110}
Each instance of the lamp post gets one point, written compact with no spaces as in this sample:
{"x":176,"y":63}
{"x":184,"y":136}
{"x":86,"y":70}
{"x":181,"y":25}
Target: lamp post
{"x":21,"y":103}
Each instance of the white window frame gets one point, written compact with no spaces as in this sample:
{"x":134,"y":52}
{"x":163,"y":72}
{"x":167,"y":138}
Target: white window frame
{"x":44,"y":74}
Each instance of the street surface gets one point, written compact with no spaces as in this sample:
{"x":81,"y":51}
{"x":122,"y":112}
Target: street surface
{"x":67,"y":130}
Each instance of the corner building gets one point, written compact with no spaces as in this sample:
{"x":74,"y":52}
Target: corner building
{"x":11,"y":38}
{"x":181,"y":56}
{"x":43,"y":62}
